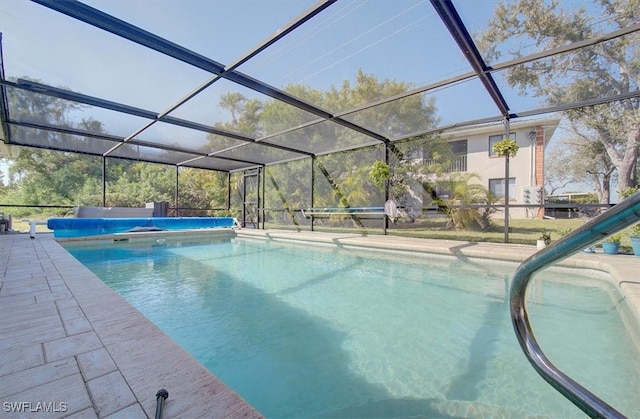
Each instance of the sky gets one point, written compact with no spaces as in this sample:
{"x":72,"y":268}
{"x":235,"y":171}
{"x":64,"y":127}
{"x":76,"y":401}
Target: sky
{"x":400,"y":39}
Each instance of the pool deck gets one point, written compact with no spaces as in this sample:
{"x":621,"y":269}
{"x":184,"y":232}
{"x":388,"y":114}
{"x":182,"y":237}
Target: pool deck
{"x":72,"y":346}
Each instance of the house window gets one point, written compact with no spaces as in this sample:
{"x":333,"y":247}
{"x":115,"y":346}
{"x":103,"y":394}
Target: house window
{"x":494,"y":139}
{"x":496,"y":186}
{"x":458,"y":147}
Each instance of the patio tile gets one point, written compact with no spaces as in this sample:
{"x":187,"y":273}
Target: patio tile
{"x":28,"y":378}
{"x":77,"y":326}
{"x":25,"y":314}
{"x":61,"y":290}
{"x":68,"y":394}
{"x":63,"y":303}
{"x":69,"y":313}
{"x":89,"y":413}
{"x":55,"y":282}
{"x":13,"y":301}
{"x":110,"y":393}
{"x":52,"y":295}
{"x":134,"y":355}
{"x":22,"y":269}
{"x":220,"y":398}
{"x":95,"y":364}
{"x":93,"y":295}
{"x":21,"y":338}
{"x":21,"y":358}
{"x":132,"y":412}
{"x":25,"y":325}
{"x":133,"y":327}
{"x":23,"y":289}
{"x":71,"y":346}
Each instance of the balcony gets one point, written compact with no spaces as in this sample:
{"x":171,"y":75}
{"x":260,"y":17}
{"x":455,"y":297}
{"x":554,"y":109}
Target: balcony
{"x":459,"y":164}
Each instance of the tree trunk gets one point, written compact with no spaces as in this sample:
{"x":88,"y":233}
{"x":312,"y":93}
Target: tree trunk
{"x":606,"y":189}
{"x":624,"y":162}
{"x":627,"y":169}
{"x":598,"y":187}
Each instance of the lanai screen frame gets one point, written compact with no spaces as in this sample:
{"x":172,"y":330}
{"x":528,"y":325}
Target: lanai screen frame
{"x":221,"y":160}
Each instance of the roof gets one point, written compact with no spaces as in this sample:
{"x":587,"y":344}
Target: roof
{"x":147,"y":80}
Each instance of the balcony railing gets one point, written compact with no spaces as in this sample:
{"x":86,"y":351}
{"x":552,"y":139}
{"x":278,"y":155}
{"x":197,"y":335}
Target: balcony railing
{"x":459,"y":164}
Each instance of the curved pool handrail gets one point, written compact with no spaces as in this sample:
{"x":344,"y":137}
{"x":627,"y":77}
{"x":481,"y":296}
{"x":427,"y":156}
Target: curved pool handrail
{"x":615,"y":219}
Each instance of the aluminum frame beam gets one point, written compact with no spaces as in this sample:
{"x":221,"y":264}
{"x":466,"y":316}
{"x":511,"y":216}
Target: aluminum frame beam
{"x":4,"y":101}
{"x":131,"y":110}
{"x":94,"y":17}
{"x":445,"y":9}
{"x":99,"y":19}
{"x":453,"y":22}
{"x":113,"y":138}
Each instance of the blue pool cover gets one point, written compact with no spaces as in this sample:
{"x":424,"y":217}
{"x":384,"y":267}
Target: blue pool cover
{"x":82,"y":227}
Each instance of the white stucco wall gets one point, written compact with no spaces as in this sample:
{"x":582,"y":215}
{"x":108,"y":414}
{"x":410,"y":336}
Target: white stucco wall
{"x":522,"y":167}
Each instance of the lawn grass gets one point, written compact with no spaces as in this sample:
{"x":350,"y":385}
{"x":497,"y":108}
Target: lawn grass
{"x":521,"y":231}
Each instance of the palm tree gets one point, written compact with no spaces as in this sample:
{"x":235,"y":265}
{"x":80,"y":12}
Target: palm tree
{"x":464,"y":191}
{"x":234,"y":103}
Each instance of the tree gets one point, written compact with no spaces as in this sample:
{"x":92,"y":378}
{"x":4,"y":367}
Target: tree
{"x":43,"y":177}
{"x":605,"y":69}
{"x":341,"y":178}
{"x":464,"y":190}
{"x":234,"y":103}
{"x":132,"y":183}
{"x":579,"y":159}
{"x":200,"y":188}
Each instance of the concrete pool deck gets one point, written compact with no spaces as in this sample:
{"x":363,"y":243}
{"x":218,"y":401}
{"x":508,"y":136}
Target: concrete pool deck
{"x":73,"y":347}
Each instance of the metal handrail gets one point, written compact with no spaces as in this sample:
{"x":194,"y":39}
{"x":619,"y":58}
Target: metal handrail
{"x":617,"y":218}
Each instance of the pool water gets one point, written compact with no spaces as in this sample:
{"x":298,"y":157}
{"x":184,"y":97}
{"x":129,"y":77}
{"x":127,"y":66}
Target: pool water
{"x":329,"y":332}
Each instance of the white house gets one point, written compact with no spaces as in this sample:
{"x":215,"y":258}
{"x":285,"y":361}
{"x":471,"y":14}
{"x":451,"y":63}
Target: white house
{"x":474,"y":148}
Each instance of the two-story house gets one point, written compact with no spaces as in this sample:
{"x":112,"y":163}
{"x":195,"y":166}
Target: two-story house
{"x":473,"y":148}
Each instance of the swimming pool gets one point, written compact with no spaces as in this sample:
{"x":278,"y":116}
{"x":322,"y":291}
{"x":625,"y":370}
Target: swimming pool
{"x":322,"y":331}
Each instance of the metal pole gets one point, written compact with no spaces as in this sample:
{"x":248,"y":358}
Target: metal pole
{"x":161,"y":396}
{"x":261,"y":202}
{"x":177,"y":195}
{"x":385,"y":219}
{"x":506,"y":198}
{"x":506,"y":185}
{"x":313,"y":160}
{"x":104,"y":181}
{"x":228,"y":191}
{"x":244,"y":199}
